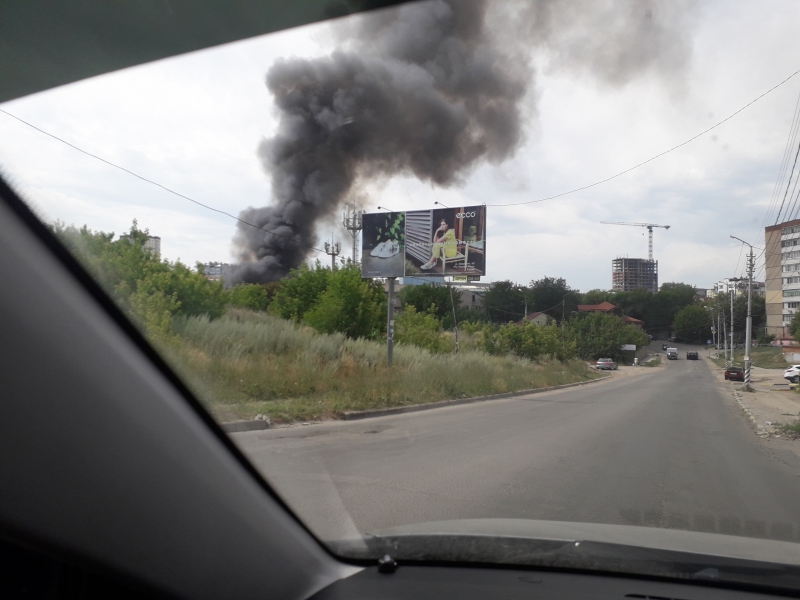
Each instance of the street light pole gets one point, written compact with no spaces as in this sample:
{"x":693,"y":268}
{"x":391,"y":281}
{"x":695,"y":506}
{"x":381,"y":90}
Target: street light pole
{"x":749,"y":327}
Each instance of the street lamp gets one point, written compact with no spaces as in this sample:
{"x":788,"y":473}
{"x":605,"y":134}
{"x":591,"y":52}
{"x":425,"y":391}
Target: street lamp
{"x":749,"y":330}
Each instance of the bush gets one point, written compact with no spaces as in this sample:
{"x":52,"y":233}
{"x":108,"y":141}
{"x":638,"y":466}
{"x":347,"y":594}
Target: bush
{"x":527,"y":340}
{"x":350,"y":305}
{"x":422,"y":329}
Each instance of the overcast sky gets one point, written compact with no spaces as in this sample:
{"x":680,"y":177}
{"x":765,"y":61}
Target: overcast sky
{"x":193,"y":123}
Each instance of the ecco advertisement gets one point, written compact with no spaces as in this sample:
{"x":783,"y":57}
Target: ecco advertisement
{"x":435,"y":243}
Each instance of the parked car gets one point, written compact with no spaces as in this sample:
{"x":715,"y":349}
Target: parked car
{"x":734,"y":374}
{"x":792,"y":374}
{"x":606,"y":364}
{"x":692,"y":356}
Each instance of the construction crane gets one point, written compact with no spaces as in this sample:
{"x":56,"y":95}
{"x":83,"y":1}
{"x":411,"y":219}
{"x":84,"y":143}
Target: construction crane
{"x":649,"y":228}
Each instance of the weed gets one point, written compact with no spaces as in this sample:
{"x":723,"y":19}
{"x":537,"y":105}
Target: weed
{"x":248,"y":363}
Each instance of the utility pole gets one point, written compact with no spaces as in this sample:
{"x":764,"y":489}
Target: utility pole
{"x":333,"y":251}
{"x":733,"y":295}
{"x":353,"y":222}
{"x":390,"y":324}
{"x":725,"y":340}
{"x":749,"y":327}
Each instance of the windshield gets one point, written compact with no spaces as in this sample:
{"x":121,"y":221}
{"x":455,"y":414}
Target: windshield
{"x":391,"y":252}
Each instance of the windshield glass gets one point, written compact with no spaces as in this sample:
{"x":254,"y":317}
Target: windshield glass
{"x":392,"y":252}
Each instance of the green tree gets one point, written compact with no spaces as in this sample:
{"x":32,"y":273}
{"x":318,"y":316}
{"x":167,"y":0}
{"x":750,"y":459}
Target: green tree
{"x":152,"y":291}
{"x":249,"y":295}
{"x":794,"y":326}
{"x":599,"y":335}
{"x":431,"y":298}
{"x":350,"y":305}
{"x":693,"y":324}
{"x":635,"y":303}
{"x":548,"y":293}
{"x":300,"y":291}
{"x":505,"y":301}
{"x":597,"y":297}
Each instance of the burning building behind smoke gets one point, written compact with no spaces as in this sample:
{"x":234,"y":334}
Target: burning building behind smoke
{"x":424,"y":90}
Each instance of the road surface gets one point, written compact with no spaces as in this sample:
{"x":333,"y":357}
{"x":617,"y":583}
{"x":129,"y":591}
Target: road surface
{"x":663,"y":447}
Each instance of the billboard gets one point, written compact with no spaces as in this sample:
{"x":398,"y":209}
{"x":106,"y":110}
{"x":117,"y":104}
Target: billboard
{"x":425,"y":243}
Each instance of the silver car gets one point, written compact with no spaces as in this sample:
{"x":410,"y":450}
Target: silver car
{"x":606,"y":364}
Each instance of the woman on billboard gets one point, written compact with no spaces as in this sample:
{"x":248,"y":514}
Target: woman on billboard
{"x":444,"y":245}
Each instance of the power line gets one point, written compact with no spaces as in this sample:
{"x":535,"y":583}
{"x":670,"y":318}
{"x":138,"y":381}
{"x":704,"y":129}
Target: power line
{"x":793,"y":128}
{"x":788,"y":183}
{"x":607,"y":179}
{"x":155,"y":183}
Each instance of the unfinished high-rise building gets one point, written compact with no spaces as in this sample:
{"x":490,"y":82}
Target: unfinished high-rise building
{"x":627,"y":274}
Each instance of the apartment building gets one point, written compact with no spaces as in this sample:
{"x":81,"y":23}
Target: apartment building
{"x":782,"y":258}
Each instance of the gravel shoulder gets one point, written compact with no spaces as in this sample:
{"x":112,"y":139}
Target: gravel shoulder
{"x":771,"y":402}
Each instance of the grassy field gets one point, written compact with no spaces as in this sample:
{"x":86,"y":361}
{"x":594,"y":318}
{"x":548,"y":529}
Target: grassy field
{"x":766,"y":357}
{"x":246,"y":363}
{"x":653,"y":362}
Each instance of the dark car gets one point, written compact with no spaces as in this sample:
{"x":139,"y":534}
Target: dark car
{"x":734,"y":374}
{"x":664,"y":346}
{"x":692,"y":356}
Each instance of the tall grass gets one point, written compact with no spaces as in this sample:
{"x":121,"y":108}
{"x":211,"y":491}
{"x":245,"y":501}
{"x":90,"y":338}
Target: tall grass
{"x":248,"y":363}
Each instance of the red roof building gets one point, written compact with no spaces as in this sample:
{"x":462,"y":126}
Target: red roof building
{"x":605,"y":307}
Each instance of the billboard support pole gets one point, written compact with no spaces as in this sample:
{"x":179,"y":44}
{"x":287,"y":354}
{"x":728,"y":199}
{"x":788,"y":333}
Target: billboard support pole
{"x":390,"y":323}
{"x":455,"y":321}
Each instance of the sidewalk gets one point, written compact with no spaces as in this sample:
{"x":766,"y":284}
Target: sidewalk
{"x":768,"y":405}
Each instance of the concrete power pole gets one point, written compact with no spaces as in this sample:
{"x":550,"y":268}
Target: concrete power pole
{"x":353,"y":222}
{"x":749,"y":327}
{"x":333,"y":251}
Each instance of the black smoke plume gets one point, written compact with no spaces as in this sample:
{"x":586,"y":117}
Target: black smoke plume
{"x":424,"y":89}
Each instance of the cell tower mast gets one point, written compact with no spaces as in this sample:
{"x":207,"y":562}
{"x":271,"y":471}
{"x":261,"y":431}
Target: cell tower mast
{"x":352,"y":221}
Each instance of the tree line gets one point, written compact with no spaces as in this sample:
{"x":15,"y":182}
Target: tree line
{"x":155,"y":292}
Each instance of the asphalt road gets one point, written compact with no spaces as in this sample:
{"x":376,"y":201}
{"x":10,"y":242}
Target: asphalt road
{"x":664,"y":447}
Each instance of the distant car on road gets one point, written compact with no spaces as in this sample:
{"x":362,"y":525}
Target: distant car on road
{"x":664,"y":346}
{"x":692,"y":356}
{"x":792,"y":374}
{"x":672,"y":354}
{"x":734,"y":374}
{"x":606,"y":364}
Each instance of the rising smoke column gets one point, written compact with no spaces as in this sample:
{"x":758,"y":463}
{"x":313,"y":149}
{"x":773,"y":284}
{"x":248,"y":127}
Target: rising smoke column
{"x":429,"y":96}
{"x":423,"y":89}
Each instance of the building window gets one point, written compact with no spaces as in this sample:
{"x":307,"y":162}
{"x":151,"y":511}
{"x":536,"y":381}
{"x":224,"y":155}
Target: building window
{"x":789,"y":230}
{"x":790,"y":293}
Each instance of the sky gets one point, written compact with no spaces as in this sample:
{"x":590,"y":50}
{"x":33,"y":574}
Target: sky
{"x":193,"y":124}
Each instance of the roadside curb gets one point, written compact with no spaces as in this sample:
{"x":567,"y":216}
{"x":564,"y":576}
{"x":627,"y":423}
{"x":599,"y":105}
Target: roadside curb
{"x":396,"y":410}
{"x":760,"y":430}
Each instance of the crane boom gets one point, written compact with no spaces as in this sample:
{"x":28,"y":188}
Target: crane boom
{"x":649,"y":229}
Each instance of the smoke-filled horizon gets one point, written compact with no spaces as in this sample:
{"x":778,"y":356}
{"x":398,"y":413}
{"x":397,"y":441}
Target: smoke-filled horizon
{"x":428,"y":89}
